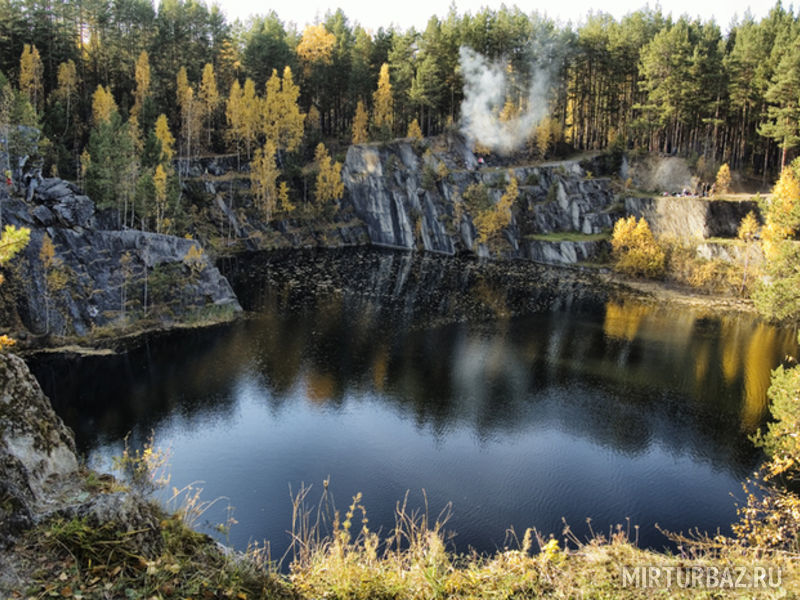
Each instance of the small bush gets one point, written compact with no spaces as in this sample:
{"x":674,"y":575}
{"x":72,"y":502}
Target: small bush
{"x":552,"y":192}
{"x":748,"y":228}
{"x":429,"y":178}
{"x":476,"y":197}
{"x":723,"y":182}
{"x":442,"y":172}
{"x":635,"y":250}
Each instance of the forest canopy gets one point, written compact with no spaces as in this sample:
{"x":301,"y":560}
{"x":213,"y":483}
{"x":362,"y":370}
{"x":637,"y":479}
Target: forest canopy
{"x":645,"y":81}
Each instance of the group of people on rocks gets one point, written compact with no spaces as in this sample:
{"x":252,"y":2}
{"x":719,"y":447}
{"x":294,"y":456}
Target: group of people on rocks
{"x":701,"y":190}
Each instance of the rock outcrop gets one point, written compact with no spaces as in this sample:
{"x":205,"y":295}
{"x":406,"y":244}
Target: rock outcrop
{"x":564,"y":251}
{"x":412,"y":199}
{"x":76,"y":275}
{"x":691,"y":218}
{"x":36,"y":449}
{"x":40,"y":477}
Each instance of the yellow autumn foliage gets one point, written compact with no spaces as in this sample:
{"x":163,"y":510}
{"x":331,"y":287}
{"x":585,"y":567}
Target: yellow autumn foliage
{"x":635,"y":250}
{"x":316,"y":45}
{"x":489,"y":222}
{"x":360,"y":121}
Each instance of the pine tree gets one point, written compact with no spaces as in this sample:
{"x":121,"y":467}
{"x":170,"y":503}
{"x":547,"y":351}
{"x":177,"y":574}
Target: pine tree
{"x":49,"y":260}
{"x":313,"y":119}
{"x":234,"y":115}
{"x":383,"y":113}
{"x":182,"y":87}
{"x":271,"y":109}
{"x":284,"y":202}
{"x":160,"y":195}
{"x":191,"y":113}
{"x":784,"y":108}
{"x":12,"y":241}
{"x":316,"y":45}
{"x":250,"y":117}
{"x":291,"y":131}
{"x":778,"y":297}
{"x":127,"y":160}
{"x":360,"y":122}
{"x":31,"y":72}
{"x":635,"y":250}
{"x":489,"y":222}
{"x":723,"y":181}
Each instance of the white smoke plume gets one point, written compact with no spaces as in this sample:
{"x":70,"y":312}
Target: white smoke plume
{"x":485,"y":88}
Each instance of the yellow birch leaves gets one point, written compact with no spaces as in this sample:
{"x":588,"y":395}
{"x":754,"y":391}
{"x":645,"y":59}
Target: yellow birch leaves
{"x":329,"y":186}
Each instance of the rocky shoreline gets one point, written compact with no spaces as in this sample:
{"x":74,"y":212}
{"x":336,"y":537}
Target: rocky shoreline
{"x":80,"y":279}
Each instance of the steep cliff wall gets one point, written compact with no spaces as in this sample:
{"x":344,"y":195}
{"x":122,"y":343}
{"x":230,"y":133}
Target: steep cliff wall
{"x":96,"y":277}
{"x":695,"y":218}
{"x":410,"y":195}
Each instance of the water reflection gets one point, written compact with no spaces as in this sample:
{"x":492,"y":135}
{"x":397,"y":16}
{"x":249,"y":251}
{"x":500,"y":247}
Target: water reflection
{"x":484,"y":384}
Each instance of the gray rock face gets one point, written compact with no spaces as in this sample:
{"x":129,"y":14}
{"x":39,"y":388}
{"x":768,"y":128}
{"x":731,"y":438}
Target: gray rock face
{"x":410,"y":199}
{"x":36,"y":449}
{"x":564,"y":252}
{"x":386,"y":189}
{"x":668,"y":215}
{"x":40,"y":478}
{"x":691,"y":218}
{"x":101,"y":277}
{"x":725,"y":216}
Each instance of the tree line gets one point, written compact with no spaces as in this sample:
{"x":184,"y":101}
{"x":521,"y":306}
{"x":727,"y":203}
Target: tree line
{"x":646,"y":81}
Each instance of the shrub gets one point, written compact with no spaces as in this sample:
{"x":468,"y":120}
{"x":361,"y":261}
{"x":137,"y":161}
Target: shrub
{"x":635,"y":250}
{"x":748,"y":228}
{"x":778,"y":297}
{"x":552,"y":192}
{"x":723,"y":182}
{"x":476,"y":197}
{"x":770,"y":517}
{"x":429,"y":178}
{"x":442,"y":172}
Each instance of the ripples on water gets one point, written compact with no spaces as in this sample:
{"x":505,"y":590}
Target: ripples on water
{"x":483,"y":385}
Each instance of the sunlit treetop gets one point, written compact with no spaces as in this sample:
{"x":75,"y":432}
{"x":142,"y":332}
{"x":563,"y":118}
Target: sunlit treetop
{"x":316,"y":45}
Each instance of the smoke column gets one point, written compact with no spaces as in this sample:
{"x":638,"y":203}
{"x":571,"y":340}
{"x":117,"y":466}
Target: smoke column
{"x":485,"y":86}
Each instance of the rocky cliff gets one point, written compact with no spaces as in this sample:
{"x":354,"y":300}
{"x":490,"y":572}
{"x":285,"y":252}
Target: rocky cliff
{"x":693,"y":218}
{"x":410,"y":195}
{"x":36,"y":449}
{"x":77,"y":275}
{"x":41,"y":478}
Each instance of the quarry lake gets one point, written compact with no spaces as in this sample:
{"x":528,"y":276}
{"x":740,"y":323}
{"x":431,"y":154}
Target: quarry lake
{"x":520,"y":394}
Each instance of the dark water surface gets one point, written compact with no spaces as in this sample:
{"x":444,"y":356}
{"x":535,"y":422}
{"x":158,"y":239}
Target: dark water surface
{"x":483,"y":386}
